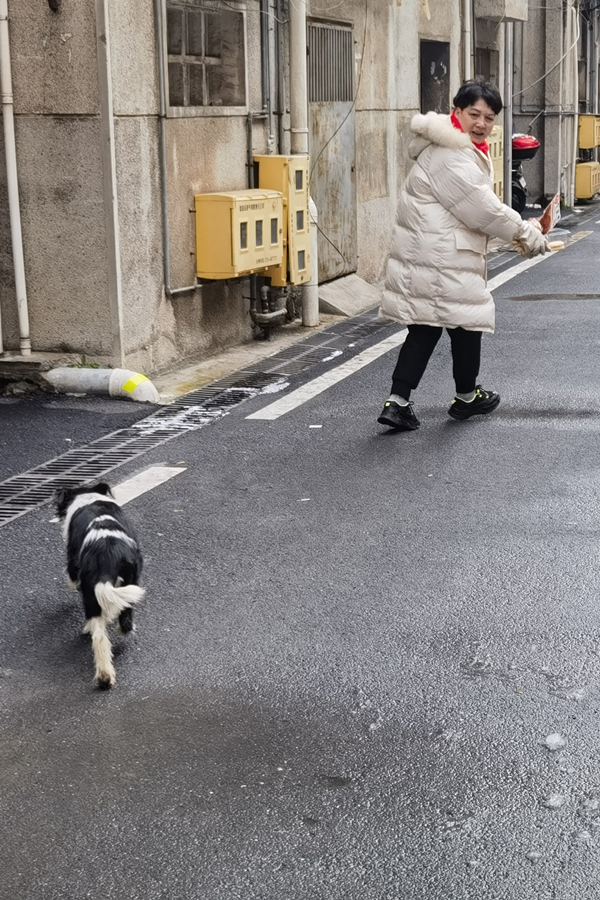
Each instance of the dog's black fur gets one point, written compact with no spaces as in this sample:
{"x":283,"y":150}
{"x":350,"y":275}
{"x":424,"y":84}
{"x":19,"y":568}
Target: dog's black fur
{"x":104,"y":561}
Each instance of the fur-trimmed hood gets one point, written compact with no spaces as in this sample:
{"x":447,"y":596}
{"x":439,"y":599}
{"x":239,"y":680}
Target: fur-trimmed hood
{"x":447,"y":210}
{"x":435,"y":128}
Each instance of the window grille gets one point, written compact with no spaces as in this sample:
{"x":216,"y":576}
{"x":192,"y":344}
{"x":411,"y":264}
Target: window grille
{"x":206,"y":56}
{"x":330,"y":62}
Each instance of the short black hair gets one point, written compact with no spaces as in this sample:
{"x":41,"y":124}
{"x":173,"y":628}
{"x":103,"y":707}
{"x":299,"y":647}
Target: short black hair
{"x":472,"y":91}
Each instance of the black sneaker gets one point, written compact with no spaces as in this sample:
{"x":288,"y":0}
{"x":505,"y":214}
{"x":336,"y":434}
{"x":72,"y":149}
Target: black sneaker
{"x":402,"y":418}
{"x":484,"y":402}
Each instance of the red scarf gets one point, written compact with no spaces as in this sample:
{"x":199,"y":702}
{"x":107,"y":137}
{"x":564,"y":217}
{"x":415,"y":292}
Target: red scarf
{"x":484,"y":146}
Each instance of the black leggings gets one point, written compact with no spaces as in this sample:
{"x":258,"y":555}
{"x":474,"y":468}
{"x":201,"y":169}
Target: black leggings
{"x":416,"y":351}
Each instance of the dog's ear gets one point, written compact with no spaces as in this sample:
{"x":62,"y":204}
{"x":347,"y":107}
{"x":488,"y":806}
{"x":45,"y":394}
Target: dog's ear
{"x":62,"y":498}
{"x":103,"y":488}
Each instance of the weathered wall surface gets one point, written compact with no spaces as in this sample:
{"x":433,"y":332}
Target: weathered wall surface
{"x":387,"y":64}
{"x":55,"y":71}
{"x":54,"y":57}
{"x":55,"y":87}
{"x":544,"y":90}
{"x":203,"y":153}
{"x":55,"y":74}
{"x":62,"y":211}
{"x":530,"y":53}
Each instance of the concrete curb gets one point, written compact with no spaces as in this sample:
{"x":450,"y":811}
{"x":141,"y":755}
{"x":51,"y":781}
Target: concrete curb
{"x":122,"y":383}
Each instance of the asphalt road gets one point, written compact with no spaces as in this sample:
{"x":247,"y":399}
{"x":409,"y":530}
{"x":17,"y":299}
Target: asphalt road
{"x":36,"y":428}
{"x":352,"y":649}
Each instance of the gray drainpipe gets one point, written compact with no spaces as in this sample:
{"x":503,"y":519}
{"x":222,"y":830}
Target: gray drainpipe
{"x":265,"y":31}
{"x":162,"y":154}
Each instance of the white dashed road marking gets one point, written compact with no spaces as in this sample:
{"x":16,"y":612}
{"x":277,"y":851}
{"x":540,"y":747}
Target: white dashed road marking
{"x":144,"y":481}
{"x":320,"y":384}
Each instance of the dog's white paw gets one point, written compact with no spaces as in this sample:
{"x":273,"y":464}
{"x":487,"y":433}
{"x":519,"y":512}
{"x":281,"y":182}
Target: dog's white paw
{"x":105,"y":675}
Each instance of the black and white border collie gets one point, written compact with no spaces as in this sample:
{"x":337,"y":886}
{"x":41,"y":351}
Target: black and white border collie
{"x":104,"y":562}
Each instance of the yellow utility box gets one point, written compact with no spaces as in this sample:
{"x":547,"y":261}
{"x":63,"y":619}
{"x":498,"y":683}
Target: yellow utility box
{"x":289,"y":174}
{"x":238,"y":233}
{"x":587,"y":180}
{"x":589,"y":132}
{"x":496,"y":145}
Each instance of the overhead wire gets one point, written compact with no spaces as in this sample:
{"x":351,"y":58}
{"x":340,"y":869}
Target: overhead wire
{"x":258,"y":12}
{"x":552,"y":68}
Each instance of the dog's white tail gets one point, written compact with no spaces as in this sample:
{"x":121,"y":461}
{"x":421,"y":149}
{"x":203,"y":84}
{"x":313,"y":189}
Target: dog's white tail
{"x":105,"y":671}
{"x":113,"y":600}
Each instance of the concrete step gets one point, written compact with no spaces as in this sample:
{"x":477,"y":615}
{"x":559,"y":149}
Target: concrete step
{"x":28,"y":371}
{"x":349,"y":296}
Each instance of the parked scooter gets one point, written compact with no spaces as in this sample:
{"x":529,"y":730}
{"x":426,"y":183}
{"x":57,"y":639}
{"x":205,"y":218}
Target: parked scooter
{"x":524,"y":147}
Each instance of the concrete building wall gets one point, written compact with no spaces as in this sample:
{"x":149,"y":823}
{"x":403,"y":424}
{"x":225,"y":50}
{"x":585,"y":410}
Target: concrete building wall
{"x":546,"y":104}
{"x":388,"y":97}
{"x":66,"y":203}
{"x":55,"y":83}
{"x":62,"y":183}
{"x":203,"y":153}
{"x":530,"y":55}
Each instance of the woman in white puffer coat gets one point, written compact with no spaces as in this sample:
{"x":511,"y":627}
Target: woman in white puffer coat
{"x":436,"y":272}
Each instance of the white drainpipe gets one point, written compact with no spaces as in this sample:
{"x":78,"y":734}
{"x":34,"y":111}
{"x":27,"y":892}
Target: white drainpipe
{"x":13,"y":183}
{"x":310,"y":292}
{"x":299,"y":142}
{"x":109,"y":171}
{"x":467,"y":30}
{"x":509,"y":30}
{"x":574,"y":39}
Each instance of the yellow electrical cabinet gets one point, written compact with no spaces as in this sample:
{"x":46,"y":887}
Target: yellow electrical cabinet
{"x":587,"y":180}
{"x":238,"y":233}
{"x":589,"y":132}
{"x":496,"y":145}
{"x":289,"y":174}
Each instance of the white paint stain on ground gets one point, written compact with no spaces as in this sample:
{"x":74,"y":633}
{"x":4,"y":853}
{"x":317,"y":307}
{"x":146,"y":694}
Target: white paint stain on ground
{"x":194,"y":417}
{"x":555,"y":742}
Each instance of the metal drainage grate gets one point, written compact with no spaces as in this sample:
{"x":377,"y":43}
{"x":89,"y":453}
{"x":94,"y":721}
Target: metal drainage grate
{"x":23,"y":493}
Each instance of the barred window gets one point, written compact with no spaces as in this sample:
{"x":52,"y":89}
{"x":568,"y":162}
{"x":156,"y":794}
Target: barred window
{"x":206,"y":56}
{"x":330,"y":62}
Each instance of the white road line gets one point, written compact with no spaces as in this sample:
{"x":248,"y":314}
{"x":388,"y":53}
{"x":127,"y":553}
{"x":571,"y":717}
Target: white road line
{"x":144,"y":481}
{"x":501,"y":279}
{"x":320,"y":384}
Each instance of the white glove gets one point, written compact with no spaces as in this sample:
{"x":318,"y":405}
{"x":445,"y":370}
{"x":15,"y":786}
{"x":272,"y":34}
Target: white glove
{"x":530,"y":242}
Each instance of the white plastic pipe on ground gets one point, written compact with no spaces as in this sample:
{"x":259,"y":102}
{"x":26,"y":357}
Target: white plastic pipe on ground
{"x":122,"y":383}
{"x":12,"y":181}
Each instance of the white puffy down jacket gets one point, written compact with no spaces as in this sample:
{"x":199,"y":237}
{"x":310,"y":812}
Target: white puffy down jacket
{"x":436,"y":273}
